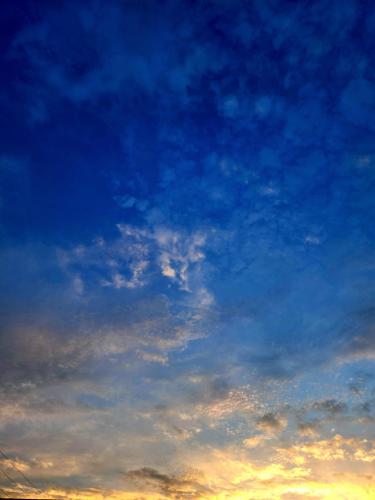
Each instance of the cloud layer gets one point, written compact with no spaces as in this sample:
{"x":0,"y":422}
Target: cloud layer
{"x":187,"y":249}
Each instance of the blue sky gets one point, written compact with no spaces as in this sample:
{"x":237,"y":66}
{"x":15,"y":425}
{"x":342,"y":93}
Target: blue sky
{"x":187,"y":248}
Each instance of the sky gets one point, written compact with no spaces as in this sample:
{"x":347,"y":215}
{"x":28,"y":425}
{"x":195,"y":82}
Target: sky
{"x":187,"y":249}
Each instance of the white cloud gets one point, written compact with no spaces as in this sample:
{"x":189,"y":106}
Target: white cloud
{"x":310,"y":239}
{"x":178,"y":253}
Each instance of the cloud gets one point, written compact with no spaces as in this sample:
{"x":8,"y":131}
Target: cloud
{"x":336,"y":448}
{"x":202,"y":403}
{"x":177,"y":254}
{"x":271,"y":423}
{"x":188,"y":240}
{"x":330,"y":406}
{"x":171,"y":486}
{"x":225,"y":474}
{"x":360,"y":381}
{"x":115,"y":58}
{"x":254,"y":441}
{"x":308,"y":429}
{"x":118,"y":264}
{"x":129,"y":260}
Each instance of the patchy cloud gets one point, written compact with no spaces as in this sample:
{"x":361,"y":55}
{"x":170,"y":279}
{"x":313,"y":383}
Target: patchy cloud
{"x":330,"y":406}
{"x":183,"y":486}
{"x":187,"y":244}
{"x":271,"y":423}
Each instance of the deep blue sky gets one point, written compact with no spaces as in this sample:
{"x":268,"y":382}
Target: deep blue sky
{"x":187,"y":246}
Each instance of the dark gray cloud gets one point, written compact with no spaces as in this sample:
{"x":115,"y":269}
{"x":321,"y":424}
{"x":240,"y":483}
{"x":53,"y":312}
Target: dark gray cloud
{"x":173,"y":486}
{"x":270,"y":422}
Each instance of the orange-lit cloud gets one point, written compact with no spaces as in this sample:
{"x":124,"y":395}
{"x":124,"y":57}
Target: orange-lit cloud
{"x":336,"y":448}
